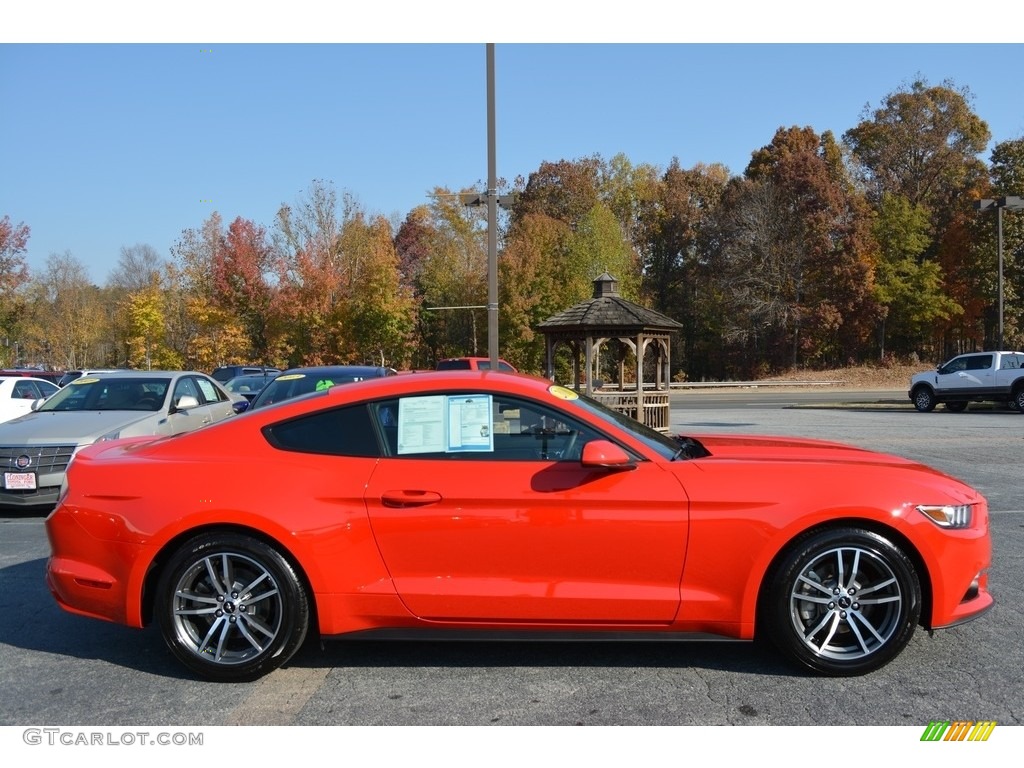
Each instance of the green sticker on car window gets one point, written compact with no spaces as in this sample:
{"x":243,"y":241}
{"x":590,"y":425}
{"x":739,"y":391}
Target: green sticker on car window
{"x":324,"y":384}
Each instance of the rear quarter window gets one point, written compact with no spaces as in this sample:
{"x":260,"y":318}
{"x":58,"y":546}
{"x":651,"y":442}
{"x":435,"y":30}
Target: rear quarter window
{"x":336,"y":432}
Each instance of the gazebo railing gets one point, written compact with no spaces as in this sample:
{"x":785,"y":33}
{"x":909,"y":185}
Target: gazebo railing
{"x":655,"y":410}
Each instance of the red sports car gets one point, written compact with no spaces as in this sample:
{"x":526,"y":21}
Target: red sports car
{"x":454,"y":503}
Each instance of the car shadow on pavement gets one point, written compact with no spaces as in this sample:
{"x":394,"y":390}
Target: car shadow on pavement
{"x":34,"y":622}
{"x":730,"y":656}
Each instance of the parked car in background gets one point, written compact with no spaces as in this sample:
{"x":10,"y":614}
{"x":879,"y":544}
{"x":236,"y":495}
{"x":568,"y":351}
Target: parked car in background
{"x":17,"y":393}
{"x":35,"y":449}
{"x":473,"y":364}
{"x":996,"y":377}
{"x":228,"y":372}
{"x":248,"y":386}
{"x":51,"y":376}
{"x":496,"y":505}
{"x":302,"y":381}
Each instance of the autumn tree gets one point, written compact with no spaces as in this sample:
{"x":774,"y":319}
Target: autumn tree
{"x":308,"y":304}
{"x":671,"y":236}
{"x":138,"y":267}
{"x":67,"y":309}
{"x":908,"y":286}
{"x":566,"y":190}
{"x":529,"y":292}
{"x":1006,"y":180}
{"x":240,"y":285}
{"x":203,"y":334}
{"x":451,"y":278}
{"x":13,"y":275}
{"x":922,"y":145}
{"x":378,"y":312}
{"x":796,"y":255}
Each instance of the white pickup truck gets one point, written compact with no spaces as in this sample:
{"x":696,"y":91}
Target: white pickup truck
{"x":977,"y":376}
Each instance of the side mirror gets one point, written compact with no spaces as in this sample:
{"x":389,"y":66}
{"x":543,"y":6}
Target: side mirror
{"x":185,"y":402}
{"x":240,"y":406}
{"x":602,"y":454}
{"x":36,"y":403}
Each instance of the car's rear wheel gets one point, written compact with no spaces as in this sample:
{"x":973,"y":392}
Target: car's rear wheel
{"x":843,"y":602}
{"x":957,"y":406}
{"x":924,"y":399}
{"x":231,"y":607}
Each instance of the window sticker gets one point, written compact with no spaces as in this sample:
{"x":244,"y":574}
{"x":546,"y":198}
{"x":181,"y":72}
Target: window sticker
{"x":445,"y":424}
{"x":290,"y":376}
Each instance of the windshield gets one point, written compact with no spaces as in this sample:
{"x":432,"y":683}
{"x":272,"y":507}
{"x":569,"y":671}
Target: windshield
{"x":665,"y":445}
{"x":122,"y":394}
{"x":288,"y":385}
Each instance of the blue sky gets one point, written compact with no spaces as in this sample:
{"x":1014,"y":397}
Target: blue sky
{"x":108,"y":143}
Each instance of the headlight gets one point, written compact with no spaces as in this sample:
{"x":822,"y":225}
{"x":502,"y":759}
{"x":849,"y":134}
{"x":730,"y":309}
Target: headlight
{"x":109,"y":436}
{"x":948,"y":515}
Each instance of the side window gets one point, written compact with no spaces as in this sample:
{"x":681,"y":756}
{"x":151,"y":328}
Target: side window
{"x":210,"y":393}
{"x":525,"y":430}
{"x":954,"y":365}
{"x":979,"y":363}
{"x":186,"y":387}
{"x":519,"y":430}
{"x":336,"y":432}
{"x":26,"y":390}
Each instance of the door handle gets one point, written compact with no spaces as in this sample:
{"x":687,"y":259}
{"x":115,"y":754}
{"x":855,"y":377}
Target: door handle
{"x":404,"y":499}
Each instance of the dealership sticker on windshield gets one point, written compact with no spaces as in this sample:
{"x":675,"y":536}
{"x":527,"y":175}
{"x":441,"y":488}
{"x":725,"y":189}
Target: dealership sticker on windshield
{"x":20,"y":481}
{"x":563,"y":392}
{"x":291,"y":376}
{"x":79,"y":382}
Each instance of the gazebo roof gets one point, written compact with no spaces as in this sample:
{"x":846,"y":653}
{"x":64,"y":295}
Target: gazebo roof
{"x":608,"y":312}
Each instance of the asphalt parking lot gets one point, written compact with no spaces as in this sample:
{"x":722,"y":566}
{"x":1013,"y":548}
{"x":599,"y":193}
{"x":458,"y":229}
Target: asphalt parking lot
{"x":60,"y":668}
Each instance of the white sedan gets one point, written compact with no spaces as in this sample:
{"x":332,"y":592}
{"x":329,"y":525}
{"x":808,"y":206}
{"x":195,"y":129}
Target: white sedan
{"x":17,"y":393}
{"x":36,"y":448}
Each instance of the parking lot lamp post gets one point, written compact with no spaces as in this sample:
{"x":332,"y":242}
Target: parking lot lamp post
{"x":1012,"y":203}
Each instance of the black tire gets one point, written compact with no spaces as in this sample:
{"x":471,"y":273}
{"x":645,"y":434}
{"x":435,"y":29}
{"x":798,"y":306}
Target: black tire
{"x":956,"y":406}
{"x":843,"y":602}
{"x":1018,"y":400}
{"x":230,"y":607}
{"x":924,"y":399}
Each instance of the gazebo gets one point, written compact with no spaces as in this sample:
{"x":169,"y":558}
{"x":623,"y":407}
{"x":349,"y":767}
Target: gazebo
{"x":590,"y":325}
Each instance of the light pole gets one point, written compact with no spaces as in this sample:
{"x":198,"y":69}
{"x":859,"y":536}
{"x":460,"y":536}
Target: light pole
{"x":492,"y":200}
{"x":1012,"y":203}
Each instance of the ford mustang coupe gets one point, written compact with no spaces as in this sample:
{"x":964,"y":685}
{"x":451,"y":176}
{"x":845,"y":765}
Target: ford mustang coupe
{"x":461,"y":504}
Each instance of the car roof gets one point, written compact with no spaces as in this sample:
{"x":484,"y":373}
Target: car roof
{"x":433,"y":381}
{"x":137,"y":374}
{"x":317,"y":370}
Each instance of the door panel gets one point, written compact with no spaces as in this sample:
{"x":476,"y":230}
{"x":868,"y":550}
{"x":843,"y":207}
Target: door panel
{"x":480,"y":539}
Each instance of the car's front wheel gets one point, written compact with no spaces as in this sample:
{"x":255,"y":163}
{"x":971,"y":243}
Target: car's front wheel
{"x":924,"y":399}
{"x":956,"y":406}
{"x":231,"y":607}
{"x":1018,"y":400}
{"x":843,"y":602}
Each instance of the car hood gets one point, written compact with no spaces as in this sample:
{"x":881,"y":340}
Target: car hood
{"x":79,"y":427}
{"x":797,"y":449}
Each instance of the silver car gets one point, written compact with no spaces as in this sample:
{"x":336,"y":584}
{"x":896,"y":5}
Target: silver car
{"x":35,"y":449}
